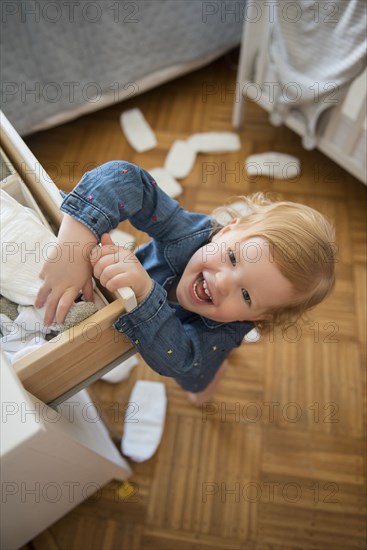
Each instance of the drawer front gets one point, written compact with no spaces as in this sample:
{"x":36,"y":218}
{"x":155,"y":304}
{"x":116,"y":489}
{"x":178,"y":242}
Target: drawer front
{"x":83,"y":353}
{"x":74,"y":357}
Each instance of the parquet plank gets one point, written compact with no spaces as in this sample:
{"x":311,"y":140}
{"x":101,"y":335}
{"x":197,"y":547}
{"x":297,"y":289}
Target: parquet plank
{"x":277,"y":460}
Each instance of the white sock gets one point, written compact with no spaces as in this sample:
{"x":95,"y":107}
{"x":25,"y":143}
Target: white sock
{"x":144,"y":420}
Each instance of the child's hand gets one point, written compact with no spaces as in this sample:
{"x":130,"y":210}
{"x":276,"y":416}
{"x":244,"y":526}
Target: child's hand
{"x":117,"y":267}
{"x":62,"y":282}
{"x":68,"y":273}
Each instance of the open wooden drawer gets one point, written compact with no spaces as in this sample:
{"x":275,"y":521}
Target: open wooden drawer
{"x":81,"y":355}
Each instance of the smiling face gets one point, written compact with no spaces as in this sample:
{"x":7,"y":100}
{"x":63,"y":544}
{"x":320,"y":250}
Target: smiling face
{"x":231,"y":279}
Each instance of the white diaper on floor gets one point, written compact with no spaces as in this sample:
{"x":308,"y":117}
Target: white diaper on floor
{"x":214,"y":142}
{"x":235,"y":209}
{"x":137,"y":130}
{"x":144,"y":420}
{"x":252,"y":336}
{"x":273,"y":165}
{"x":180,"y":159}
{"x":166,"y":182}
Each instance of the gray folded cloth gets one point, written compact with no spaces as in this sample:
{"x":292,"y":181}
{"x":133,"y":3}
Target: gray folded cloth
{"x":77,"y":314}
{"x":8,"y":308}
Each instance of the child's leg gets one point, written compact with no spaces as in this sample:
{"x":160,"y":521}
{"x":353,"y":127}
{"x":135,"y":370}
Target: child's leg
{"x":201,"y":397}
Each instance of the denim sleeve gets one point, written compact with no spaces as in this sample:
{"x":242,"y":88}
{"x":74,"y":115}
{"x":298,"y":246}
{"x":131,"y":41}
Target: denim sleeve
{"x":118,"y":191}
{"x":172,"y":348}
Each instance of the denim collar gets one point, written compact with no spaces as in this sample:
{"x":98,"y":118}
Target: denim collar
{"x":176,"y":252}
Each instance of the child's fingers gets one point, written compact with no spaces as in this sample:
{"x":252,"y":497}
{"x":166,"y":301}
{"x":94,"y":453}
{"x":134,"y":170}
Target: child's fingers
{"x":42,"y":295}
{"x":106,"y":240}
{"x":114,"y":282}
{"x":102,"y":264}
{"x":111,"y":271}
{"x":99,"y":252}
{"x":57,"y":305}
{"x":65,"y":303}
{"x":88,"y":293}
{"x":122,"y":257}
{"x":51,"y":307}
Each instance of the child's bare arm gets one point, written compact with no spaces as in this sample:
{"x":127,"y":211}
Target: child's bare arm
{"x":68,"y":272}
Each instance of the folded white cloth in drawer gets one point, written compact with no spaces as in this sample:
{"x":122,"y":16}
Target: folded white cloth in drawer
{"x":144,"y":420}
{"x":23,"y":335}
{"x":25,"y":245}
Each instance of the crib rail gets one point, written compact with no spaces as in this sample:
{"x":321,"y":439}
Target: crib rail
{"x":342,"y":134}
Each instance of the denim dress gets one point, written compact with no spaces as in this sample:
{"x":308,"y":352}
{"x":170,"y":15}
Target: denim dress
{"x":173,"y":341}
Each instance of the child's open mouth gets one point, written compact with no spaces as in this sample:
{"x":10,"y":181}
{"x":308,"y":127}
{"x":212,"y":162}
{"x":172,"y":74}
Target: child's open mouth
{"x":201,"y":290}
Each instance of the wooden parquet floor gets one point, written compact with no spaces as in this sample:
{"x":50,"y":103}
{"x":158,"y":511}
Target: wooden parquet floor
{"x":277,"y":460}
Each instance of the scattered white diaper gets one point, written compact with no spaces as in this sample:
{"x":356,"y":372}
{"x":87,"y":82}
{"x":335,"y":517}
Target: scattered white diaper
{"x":252,"y":336}
{"x":137,"y":131}
{"x":214,"y":142}
{"x":166,"y":182}
{"x":121,"y":238}
{"x":180,"y":159}
{"x":121,"y":372}
{"x":273,"y":165}
{"x":144,"y":420}
{"x":25,"y":244}
{"x":239,"y":208}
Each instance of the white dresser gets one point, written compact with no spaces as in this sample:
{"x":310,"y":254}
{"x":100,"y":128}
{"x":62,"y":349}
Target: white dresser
{"x":51,"y":458}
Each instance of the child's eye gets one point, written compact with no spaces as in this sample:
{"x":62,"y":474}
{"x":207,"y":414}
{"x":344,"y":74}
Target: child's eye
{"x":246,"y":296}
{"x":232,"y":257}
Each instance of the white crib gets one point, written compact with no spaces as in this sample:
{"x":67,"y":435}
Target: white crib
{"x":343,"y":129}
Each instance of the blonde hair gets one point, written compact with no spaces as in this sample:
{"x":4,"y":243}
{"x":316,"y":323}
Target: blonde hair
{"x":302,"y":245}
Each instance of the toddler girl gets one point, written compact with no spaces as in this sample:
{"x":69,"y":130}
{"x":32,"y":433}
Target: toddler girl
{"x":200,"y":287}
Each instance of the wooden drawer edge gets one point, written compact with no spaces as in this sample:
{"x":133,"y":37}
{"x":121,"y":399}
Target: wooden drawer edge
{"x":78,"y":354}
{"x":30,"y":170}
{"x":82,"y":350}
